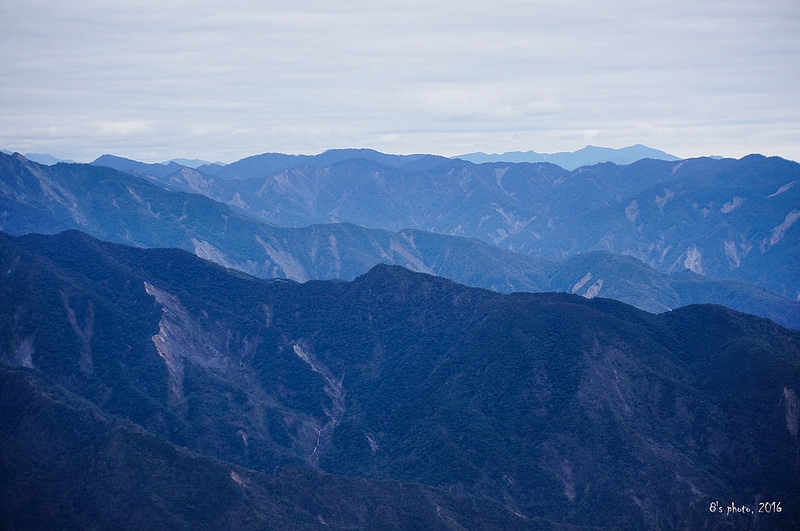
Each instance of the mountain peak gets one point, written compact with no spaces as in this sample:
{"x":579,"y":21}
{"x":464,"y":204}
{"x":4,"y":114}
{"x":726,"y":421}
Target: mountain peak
{"x":586,"y":156}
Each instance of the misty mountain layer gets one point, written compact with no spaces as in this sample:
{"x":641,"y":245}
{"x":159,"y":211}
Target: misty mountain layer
{"x":132,"y":210}
{"x":724,"y":219}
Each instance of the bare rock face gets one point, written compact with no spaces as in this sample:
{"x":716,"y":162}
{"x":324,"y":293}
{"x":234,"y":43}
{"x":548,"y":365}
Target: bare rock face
{"x":180,"y":337}
{"x":792,"y":410}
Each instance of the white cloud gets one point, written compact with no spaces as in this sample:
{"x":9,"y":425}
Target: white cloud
{"x":122,"y":128}
{"x":218,"y":81}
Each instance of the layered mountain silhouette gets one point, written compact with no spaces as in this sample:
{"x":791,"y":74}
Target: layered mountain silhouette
{"x":724,"y":219}
{"x":147,"y":387}
{"x":587,"y":156}
{"x":138,"y":210}
{"x":150,"y":388}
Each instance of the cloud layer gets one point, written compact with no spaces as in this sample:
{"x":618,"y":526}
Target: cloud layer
{"x":155,"y":80}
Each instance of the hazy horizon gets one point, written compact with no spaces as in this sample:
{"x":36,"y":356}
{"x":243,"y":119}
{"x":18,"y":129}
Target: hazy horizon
{"x":153,"y":81}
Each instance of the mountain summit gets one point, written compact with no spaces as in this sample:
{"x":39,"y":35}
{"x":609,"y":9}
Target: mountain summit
{"x":587,"y":156}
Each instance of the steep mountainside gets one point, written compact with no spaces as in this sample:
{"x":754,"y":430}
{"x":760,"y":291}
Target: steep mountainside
{"x":68,"y":465}
{"x":734,"y":219}
{"x":725,"y":219}
{"x":117,"y":207}
{"x":551,"y":406}
{"x":628,"y":280}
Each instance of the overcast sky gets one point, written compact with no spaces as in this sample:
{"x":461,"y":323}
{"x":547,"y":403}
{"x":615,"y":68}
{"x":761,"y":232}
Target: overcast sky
{"x":154,"y":80}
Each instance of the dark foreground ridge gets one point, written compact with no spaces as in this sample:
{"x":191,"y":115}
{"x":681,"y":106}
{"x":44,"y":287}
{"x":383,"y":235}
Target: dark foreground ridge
{"x":149,"y":388}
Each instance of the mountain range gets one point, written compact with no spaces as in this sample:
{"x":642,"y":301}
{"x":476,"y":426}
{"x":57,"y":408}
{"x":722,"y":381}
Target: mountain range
{"x":139,"y":211}
{"x":372,"y":341}
{"x":570,"y":160}
{"x":150,"y":388}
{"x":724,"y":219}
{"x":587,"y":156}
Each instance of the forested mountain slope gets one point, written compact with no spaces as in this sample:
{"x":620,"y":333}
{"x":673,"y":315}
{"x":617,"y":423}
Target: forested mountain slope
{"x":122,"y":208}
{"x":725,"y":219}
{"x":552,"y":406}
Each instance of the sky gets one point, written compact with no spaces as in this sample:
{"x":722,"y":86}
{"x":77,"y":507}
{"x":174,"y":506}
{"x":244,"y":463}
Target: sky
{"x":156,"y":80}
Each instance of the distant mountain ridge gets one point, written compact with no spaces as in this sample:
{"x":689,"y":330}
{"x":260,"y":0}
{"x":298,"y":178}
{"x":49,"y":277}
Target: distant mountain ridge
{"x":192,"y":163}
{"x":119,"y":207}
{"x":586,"y":156}
{"x":42,"y":158}
{"x":274,"y":162}
{"x":262,"y":165}
{"x":268,"y":164}
{"x":724,"y":219}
